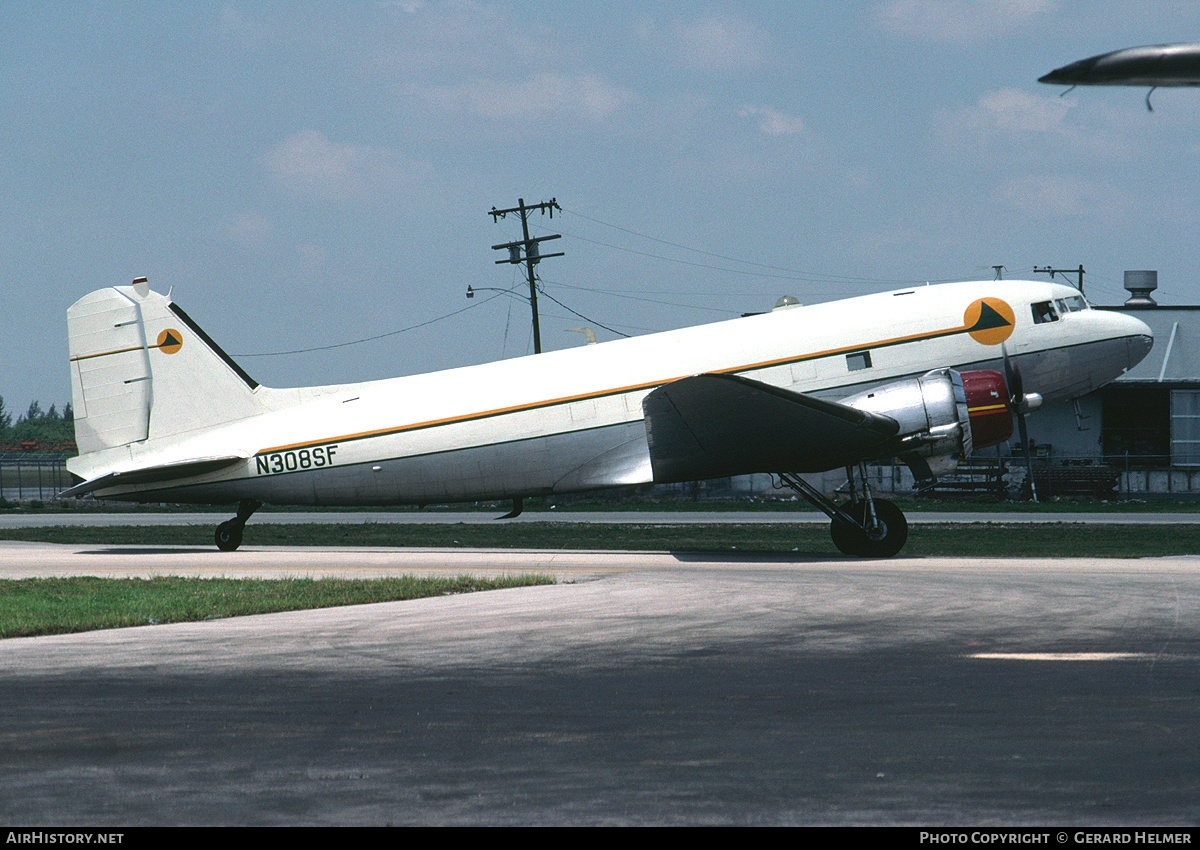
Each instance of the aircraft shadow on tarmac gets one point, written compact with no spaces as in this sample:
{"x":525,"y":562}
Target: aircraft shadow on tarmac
{"x":148,"y":550}
{"x":752,"y":557}
{"x":741,"y":557}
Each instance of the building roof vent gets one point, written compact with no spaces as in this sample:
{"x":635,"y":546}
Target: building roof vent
{"x":1140,"y":285}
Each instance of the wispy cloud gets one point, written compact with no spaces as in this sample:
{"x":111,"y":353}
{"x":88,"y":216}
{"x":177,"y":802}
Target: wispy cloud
{"x":717,"y":43}
{"x":1011,"y":112}
{"x":1015,"y":125}
{"x":247,"y":228}
{"x":408,"y":7}
{"x":959,"y":22}
{"x":1055,"y":196}
{"x":309,"y":163}
{"x":772,"y":122}
{"x":585,"y":96}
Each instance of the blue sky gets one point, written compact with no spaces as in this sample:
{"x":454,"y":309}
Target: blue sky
{"x":304,"y":175}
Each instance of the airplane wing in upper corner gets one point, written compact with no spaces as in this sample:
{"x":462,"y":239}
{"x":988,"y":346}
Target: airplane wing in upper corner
{"x":712,"y":426}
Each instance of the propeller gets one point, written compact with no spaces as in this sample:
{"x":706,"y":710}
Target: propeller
{"x":1016,"y":398}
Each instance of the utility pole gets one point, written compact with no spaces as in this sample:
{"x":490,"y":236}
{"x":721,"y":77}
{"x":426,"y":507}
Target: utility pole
{"x":1052,"y":272}
{"x":531,"y":256}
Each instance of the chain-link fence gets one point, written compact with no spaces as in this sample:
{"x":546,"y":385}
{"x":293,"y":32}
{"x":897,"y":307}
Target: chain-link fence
{"x":25,"y":476}
{"x":1058,"y":476}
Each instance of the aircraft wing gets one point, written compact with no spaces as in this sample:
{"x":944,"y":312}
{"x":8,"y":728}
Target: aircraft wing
{"x":711,"y":426}
{"x":153,"y":474}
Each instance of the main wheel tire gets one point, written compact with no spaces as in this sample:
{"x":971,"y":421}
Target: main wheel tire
{"x":848,"y":537}
{"x":229,"y":535}
{"x":883,"y":542}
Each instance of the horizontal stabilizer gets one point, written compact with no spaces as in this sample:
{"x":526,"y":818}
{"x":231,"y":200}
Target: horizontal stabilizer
{"x":712,"y":426}
{"x":154,"y":474}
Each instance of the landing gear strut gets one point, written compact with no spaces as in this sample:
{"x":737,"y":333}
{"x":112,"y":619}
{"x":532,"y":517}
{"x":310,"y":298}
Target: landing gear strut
{"x":864,"y":527}
{"x":229,"y":533}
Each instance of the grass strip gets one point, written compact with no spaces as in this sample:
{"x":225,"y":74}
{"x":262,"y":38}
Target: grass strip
{"x":950,"y":539}
{"x":44,"y":606}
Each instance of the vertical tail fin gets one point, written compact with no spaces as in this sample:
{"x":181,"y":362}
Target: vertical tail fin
{"x":142,"y":369}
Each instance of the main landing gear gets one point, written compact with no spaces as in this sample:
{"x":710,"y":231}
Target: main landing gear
{"x":229,"y":533}
{"x":864,"y":527}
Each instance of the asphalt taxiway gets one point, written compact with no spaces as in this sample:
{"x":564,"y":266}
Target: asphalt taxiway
{"x":644,"y":688}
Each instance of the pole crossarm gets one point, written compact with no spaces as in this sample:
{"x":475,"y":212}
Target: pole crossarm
{"x":545,"y":206}
{"x":530,"y":248}
{"x":1064,"y":272}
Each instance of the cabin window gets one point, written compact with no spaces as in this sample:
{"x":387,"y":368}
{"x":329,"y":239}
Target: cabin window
{"x":1043,"y":311}
{"x":858,"y":360}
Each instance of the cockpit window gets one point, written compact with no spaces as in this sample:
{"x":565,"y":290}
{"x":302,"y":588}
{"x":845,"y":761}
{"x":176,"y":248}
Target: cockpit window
{"x":1043,"y":311}
{"x":1071,"y":305}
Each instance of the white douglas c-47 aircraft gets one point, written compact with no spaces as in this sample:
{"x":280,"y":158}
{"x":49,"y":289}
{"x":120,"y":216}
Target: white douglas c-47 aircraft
{"x":927,"y":375}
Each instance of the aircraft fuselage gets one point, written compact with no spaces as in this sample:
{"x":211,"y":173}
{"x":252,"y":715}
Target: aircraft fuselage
{"x":572,"y":420}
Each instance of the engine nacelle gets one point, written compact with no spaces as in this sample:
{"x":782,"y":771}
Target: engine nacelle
{"x":944,"y":416}
{"x":989,"y":407}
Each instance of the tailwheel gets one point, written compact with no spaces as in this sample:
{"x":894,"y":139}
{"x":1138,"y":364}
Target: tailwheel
{"x":229,"y":533}
{"x":881,"y":538}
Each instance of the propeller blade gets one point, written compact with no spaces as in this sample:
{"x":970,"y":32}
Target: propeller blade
{"x":1016,"y":393}
{"x":1012,"y":378}
{"x":1023,"y":432}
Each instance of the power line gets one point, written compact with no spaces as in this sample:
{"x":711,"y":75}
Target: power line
{"x":580,"y":315}
{"x":614,"y":294}
{"x":371,"y":338}
{"x":687,"y":262}
{"x":790,"y":274}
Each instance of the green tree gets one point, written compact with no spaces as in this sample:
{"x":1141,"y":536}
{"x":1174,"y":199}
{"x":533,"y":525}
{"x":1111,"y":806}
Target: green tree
{"x":40,"y":426}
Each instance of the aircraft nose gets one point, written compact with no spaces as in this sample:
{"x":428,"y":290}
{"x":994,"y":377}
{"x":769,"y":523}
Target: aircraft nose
{"x":1073,"y":74}
{"x":1067,"y":74}
{"x":1139,"y":347}
{"x":1139,"y":339}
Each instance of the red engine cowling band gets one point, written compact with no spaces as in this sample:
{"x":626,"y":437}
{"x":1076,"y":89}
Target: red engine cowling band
{"x":988,"y":406}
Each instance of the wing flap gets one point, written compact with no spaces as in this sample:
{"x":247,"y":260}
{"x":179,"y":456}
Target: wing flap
{"x":712,"y":426}
{"x":153,"y":474}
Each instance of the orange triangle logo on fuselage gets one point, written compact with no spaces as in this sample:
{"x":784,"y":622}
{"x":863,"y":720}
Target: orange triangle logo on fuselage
{"x":989,"y":321}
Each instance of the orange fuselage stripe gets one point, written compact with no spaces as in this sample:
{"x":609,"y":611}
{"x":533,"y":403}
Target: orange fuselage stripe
{"x":115,"y":351}
{"x":517,"y":408}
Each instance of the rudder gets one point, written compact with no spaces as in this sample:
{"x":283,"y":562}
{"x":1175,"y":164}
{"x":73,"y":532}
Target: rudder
{"x":142,"y":369}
